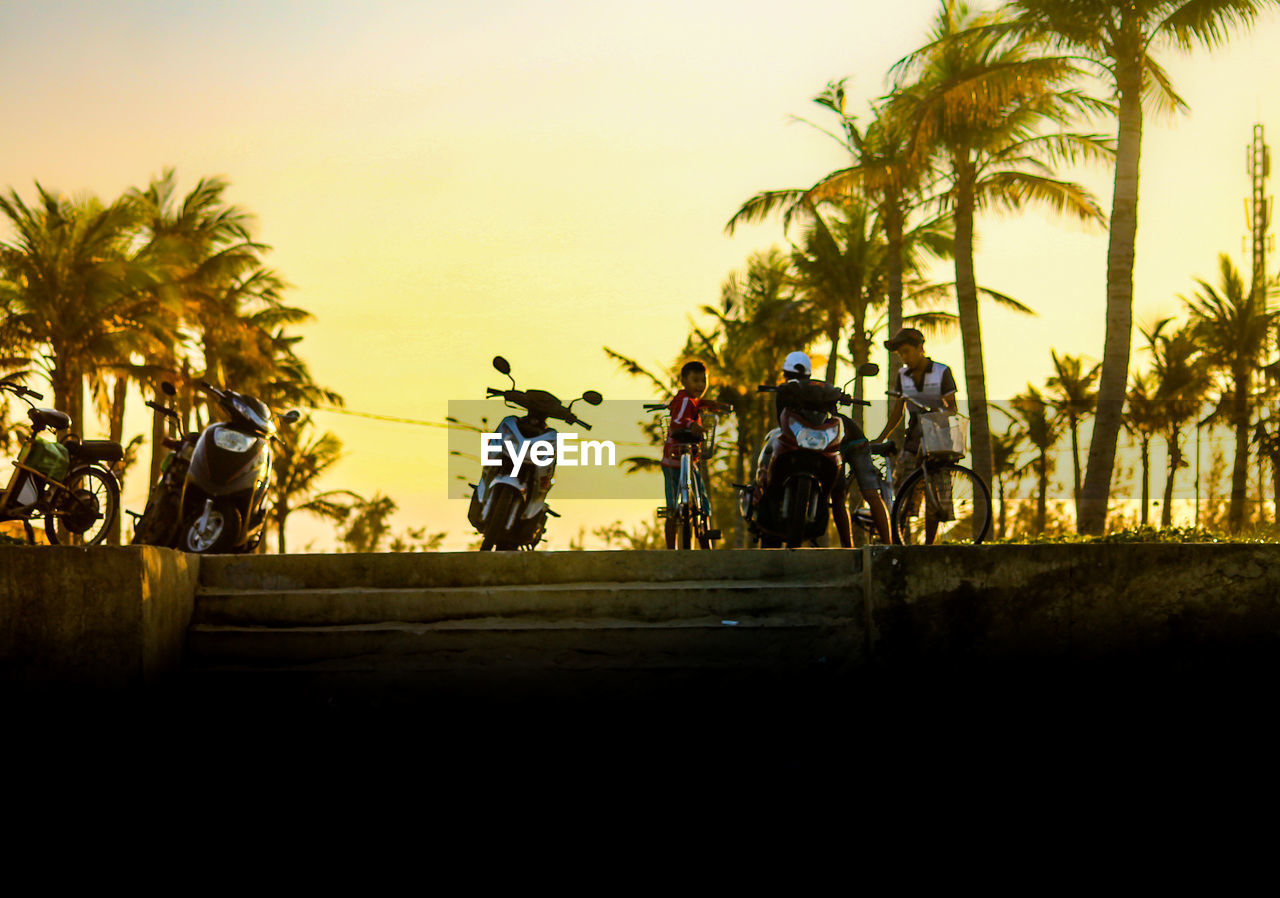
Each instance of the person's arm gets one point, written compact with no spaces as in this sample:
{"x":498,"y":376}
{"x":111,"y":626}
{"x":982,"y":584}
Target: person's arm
{"x":684,"y":415}
{"x":895,"y":410}
{"x":895,"y":417}
{"x":949,"y":393}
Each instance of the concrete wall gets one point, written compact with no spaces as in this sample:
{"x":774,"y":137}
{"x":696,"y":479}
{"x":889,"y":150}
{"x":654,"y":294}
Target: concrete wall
{"x":103,"y":617}
{"x":118,"y":617}
{"x":1077,"y":602}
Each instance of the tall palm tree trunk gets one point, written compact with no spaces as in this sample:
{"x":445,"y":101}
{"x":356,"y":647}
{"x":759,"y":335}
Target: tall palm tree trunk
{"x":68,"y":392}
{"x":893,"y":232}
{"x":1146,"y":480}
{"x":1175,"y":462}
{"x":1094,"y":497}
{"x":1240,"y":469}
{"x":1001,"y":517}
{"x":859,"y":350}
{"x":158,"y":449}
{"x":281,"y":515}
{"x":117,"y":435}
{"x":1075,"y":462}
{"x":833,"y":335}
{"x":971,"y":332}
{"x":1042,"y":501}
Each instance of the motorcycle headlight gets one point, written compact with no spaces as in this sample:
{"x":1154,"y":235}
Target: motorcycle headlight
{"x":232,"y":440}
{"x":808,"y":438}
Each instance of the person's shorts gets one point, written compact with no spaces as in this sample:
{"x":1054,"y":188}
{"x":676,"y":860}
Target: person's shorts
{"x":859,"y":459}
{"x":671,"y":477}
{"x":854,"y":451}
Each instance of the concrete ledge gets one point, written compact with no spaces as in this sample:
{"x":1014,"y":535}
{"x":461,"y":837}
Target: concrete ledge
{"x":1077,"y":603}
{"x":110,"y":618}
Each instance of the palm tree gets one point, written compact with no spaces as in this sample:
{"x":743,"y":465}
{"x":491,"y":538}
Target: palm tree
{"x":883,"y":169}
{"x":1116,"y":38}
{"x":1230,"y":324}
{"x":979,"y":106}
{"x":1041,"y":429}
{"x":1143,"y":420}
{"x":1182,"y":378}
{"x":1071,"y":392}
{"x":1004,"y":457}
{"x":298,"y":467}
{"x":84,"y":297}
{"x":197,"y":240}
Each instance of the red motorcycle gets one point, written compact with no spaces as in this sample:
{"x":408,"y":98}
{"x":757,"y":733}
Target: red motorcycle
{"x":790,"y":501}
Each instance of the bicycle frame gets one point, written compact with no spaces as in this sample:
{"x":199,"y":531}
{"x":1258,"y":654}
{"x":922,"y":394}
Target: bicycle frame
{"x":690,"y":493}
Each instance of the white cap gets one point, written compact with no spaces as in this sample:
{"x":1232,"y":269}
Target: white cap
{"x":797,"y":363}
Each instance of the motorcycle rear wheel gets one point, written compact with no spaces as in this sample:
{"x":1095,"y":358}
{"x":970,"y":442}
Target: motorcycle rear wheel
{"x":83,"y":514}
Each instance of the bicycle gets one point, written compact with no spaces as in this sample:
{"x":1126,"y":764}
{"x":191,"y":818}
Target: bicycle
{"x":692,"y":522}
{"x":61,"y":482}
{"x":955,"y":501}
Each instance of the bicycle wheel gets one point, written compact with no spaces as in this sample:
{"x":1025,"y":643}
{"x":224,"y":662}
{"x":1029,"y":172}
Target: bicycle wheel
{"x":82,"y":514}
{"x":950,"y":504}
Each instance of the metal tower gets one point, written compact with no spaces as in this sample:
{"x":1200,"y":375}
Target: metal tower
{"x":1258,"y":206}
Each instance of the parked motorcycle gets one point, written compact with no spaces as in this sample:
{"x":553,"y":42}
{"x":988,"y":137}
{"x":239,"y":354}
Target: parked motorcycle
{"x":790,"y":501}
{"x":67,"y":481}
{"x":211,"y":495}
{"x":509,"y":504}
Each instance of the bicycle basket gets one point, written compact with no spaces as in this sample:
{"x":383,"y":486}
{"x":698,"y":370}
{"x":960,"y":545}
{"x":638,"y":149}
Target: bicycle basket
{"x":943,"y":434}
{"x":708,"y":421}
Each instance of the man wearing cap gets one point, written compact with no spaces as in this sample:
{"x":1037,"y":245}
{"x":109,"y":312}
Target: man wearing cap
{"x":928,"y":382}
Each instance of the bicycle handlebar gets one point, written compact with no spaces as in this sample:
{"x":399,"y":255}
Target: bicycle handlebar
{"x":20,"y":390}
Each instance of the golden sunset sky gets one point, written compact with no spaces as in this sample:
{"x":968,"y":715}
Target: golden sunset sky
{"x":442,"y":182}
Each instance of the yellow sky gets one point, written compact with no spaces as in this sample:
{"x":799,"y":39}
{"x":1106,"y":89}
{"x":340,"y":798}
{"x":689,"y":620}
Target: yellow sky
{"x":540,"y":179}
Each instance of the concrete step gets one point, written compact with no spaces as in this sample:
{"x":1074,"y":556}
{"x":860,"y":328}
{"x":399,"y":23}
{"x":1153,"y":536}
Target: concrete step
{"x":479,"y":569}
{"x":640,"y":602}
{"x":496,"y":647}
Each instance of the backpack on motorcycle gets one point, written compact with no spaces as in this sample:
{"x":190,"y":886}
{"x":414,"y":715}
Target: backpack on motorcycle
{"x":49,"y":458}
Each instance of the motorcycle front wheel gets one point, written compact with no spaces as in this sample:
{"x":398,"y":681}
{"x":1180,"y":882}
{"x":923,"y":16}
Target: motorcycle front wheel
{"x":217,"y":536}
{"x":505,"y":503}
{"x":799,"y":512}
{"x":82,"y":514}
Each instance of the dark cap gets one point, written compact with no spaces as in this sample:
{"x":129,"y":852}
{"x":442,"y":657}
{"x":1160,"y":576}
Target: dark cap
{"x":905,"y":335}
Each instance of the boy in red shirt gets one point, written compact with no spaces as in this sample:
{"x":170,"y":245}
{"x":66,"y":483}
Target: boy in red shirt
{"x":686,"y":408}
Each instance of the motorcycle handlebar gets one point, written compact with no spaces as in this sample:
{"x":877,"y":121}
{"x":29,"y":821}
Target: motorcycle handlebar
{"x":490,"y":391}
{"x":20,"y":390}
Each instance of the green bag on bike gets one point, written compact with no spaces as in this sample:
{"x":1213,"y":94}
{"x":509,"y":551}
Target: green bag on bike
{"x":49,"y":458}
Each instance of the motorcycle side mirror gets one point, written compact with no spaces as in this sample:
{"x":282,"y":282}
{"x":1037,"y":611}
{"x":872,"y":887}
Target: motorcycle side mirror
{"x":592,"y":397}
{"x":868,"y":369}
{"x":502,"y":365}
{"x":168,"y":389}
{"x":291,"y":416}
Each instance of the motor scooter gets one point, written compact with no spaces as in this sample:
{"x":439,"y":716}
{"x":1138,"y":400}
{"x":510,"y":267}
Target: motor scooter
{"x":211,"y":495}
{"x":790,"y":501}
{"x":509,"y":503}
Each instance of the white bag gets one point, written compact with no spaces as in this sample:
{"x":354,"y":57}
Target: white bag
{"x":944,"y":434}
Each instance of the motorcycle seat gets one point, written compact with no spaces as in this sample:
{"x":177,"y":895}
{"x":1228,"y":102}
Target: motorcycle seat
{"x":98,"y":450}
{"x":47,"y":417}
